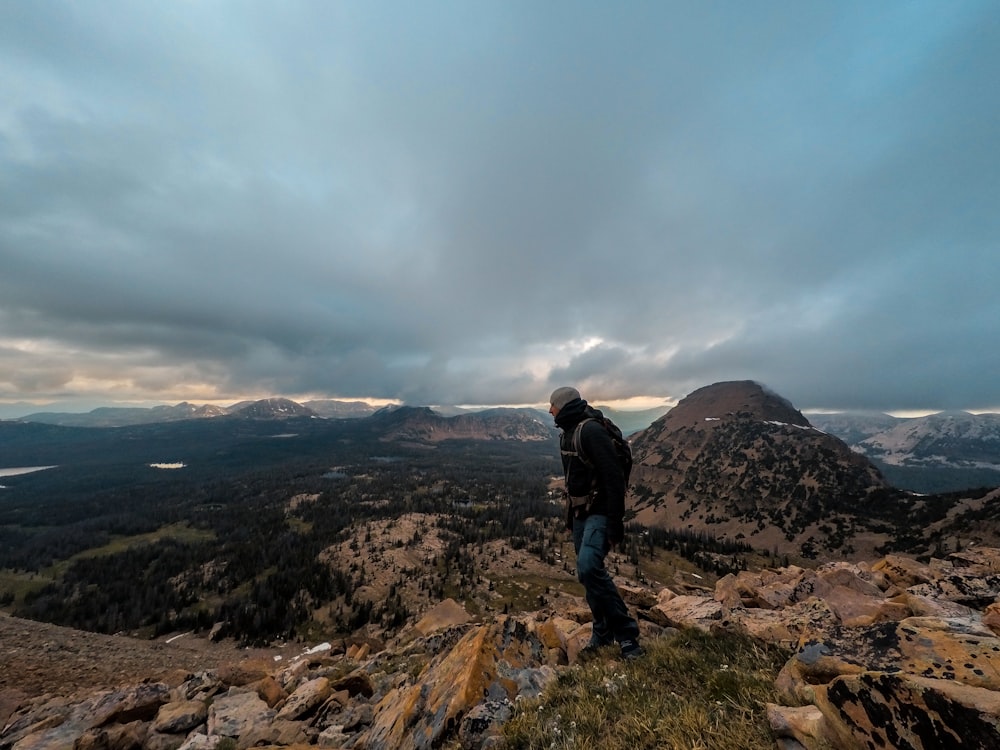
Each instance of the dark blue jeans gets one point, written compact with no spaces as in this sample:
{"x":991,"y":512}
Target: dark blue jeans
{"x":612,"y":621}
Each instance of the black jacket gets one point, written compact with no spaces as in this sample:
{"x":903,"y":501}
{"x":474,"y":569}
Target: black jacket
{"x":604,"y":475}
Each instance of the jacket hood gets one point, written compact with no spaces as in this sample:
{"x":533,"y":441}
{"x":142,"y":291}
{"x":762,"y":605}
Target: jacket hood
{"x":571,"y":414}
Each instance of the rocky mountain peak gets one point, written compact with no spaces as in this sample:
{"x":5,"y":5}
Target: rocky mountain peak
{"x":737,"y":460}
{"x":274,"y":408}
{"x":744,"y":398}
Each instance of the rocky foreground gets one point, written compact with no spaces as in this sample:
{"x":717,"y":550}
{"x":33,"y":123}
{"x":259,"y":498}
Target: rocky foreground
{"x":892,"y":654}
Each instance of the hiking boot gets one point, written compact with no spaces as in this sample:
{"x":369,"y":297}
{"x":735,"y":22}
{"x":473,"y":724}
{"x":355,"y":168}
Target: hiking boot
{"x":631,"y":650}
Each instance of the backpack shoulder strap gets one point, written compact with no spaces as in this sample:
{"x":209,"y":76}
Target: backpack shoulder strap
{"x":578,"y":440}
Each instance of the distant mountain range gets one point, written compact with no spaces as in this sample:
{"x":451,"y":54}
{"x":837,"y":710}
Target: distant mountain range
{"x":282,"y":408}
{"x":269,"y":408}
{"x":937,"y":453}
{"x":422,"y":424}
{"x":954,"y":439}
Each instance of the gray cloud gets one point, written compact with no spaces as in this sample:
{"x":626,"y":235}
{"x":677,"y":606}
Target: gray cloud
{"x":474,"y":204}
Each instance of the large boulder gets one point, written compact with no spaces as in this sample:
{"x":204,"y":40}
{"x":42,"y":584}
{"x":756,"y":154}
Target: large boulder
{"x":237,"y":714}
{"x":488,"y":664}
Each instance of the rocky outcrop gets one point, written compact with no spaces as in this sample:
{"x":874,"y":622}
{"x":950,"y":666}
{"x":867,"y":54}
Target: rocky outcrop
{"x":895,"y":654}
{"x":907,"y":656}
{"x":457,"y":681}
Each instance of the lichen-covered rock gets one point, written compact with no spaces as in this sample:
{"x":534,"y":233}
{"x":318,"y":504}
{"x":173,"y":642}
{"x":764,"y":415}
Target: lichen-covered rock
{"x":201,"y":686}
{"x":799,"y":727}
{"x":991,"y":617}
{"x":880,"y":709}
{"x":554,"y":632}
{"x":136,"y":703}
{"x":238,"y":675}
{"x":903,"y":571}
{"x":130,"y":736}
{"x":687,"y":611}
{"x":280,"y":732}
{"x":483,"y":722}
{"x":356,"y":683}
{"x":61,"y":723}
{"x":967,"y":586}
{"x":269,"y":691}
{"x":913,"y":684}
{"x":236,"y":714}
{"x":477,"y":669}
{"x":157,"y":741}
{"x":180,"y":716}
{"x":957,"y":650}
{"x":446,"y":614}
{"x":854,"y":608}
{"x":307,"y":698}
{"x":199,"y":741}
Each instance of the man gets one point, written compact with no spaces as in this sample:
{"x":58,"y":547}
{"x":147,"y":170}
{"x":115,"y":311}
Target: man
{"x":595,"y":485}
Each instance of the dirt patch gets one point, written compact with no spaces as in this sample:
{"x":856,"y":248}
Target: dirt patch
{"x":38,"y":658}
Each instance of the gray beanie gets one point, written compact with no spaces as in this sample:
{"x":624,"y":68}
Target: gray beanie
{"x":562,"y":396}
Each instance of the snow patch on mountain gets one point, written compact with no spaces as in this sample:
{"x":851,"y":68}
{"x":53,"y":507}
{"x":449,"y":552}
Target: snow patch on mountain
{"x":957,"y":439}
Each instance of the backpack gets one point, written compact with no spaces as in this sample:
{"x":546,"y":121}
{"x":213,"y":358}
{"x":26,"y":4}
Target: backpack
{"x":622,"y":448}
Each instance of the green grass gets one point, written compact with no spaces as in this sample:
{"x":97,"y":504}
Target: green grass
{"x":180,"y":532}
{"x":20,"y":584}
{"x":298,"y":525}
{"x":691,"y":691}
{"x":521,"y":592}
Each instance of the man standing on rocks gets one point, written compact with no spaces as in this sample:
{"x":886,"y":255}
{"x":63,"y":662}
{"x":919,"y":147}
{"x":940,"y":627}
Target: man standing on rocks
{"x":595,"y":485}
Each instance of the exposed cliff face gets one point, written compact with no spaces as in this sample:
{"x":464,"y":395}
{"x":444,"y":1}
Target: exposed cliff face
{"x":734,"y":459}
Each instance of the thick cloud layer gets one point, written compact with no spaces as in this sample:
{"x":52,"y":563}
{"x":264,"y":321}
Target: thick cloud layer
{"x":474,"y":203}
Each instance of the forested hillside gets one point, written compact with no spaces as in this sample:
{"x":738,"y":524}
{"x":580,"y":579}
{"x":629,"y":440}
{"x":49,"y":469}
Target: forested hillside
{"x":108,"y":543}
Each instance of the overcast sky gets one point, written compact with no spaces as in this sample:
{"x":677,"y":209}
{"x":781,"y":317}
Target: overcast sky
{"x":476,"y":202}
